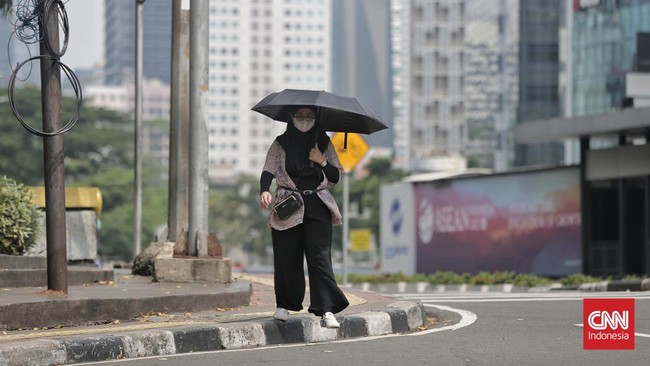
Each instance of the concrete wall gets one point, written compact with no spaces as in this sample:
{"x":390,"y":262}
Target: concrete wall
{"x":81,"y":235}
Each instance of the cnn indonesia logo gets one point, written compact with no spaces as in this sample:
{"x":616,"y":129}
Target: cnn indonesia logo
{"x":608,"y":324}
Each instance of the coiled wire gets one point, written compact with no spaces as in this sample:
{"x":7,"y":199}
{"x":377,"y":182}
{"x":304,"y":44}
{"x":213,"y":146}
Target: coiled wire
{"x":76,"y":86}
{"x":30,"y":27}
{"x":63,"y":22}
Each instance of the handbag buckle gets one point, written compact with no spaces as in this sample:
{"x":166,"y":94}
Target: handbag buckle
{"x":307,"y":192}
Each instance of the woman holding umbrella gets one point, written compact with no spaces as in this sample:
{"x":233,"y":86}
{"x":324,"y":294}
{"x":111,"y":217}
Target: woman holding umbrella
{"x":303,"y":160}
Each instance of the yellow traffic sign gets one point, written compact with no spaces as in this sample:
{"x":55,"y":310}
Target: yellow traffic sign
{"x":360,"y":240}
{"x":357,"y":148}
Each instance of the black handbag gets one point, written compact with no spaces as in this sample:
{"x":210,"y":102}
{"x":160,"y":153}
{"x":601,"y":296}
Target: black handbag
{"x":287,"y":206}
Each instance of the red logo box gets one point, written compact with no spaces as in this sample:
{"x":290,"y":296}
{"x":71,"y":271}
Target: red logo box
{"x":608,"y":324}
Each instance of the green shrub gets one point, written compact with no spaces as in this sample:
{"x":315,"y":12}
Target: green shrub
{"x":19,"y":218}
{"x":481,"y":278}
{"x":530,"y":280}
{"x":446,"y":278}
{"x":579,"y":279}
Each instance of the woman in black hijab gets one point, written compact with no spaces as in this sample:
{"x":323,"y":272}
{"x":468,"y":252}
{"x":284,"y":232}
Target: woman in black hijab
{"x":303,"y":160}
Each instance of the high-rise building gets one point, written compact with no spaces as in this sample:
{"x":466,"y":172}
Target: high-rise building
{"x":491,"y":81}
{"x":361,"y":54}
{"x":539,"y":67}
{"x":119,"y":42}
{"x":590,"y":46}
{"x":258,"y":47}
{"x":121,"y":98}
{"x":603,"y":51}
{"x":428,"y":57}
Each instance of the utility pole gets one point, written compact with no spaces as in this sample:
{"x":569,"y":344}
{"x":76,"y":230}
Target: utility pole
{"x":177,"y":209}
{"x":198,"y":177}
{"x":138,"y":126}
{"x":57,"y":262}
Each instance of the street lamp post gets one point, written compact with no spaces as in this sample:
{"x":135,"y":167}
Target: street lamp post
{"x":138,"y":126}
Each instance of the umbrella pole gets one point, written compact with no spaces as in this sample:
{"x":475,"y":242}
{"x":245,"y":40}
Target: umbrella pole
{"x":344,"y":246}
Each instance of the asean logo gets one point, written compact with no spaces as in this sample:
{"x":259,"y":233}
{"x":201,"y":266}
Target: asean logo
{"x":608,"y":324}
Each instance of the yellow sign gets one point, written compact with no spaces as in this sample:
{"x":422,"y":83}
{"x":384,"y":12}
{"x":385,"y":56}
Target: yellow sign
{"x":360,"y":240}
{"x":75,"y":197}
{"x":357,"y":148}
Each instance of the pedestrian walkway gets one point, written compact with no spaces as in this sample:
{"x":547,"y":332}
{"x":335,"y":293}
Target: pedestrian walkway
{"x":140,"y":318}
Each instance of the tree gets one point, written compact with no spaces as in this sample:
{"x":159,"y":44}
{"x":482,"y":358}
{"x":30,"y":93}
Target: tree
{"x":98,"y":153}
{"x":100,"y":139}
{"x":237,"y":218}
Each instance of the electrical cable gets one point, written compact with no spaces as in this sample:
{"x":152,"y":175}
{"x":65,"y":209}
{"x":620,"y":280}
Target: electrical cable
{"x":76,"y":86}
{"x":29,"y":52}
{"x":63,"y":22}
{"x":30,"y":27}
{"x":26,"y":23}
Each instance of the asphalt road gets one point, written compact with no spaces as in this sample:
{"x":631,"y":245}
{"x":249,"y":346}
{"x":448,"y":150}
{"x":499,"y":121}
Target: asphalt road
{"x":501,"y":329}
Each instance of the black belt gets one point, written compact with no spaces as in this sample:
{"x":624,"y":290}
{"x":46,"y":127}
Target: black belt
{"x":306,"y":192}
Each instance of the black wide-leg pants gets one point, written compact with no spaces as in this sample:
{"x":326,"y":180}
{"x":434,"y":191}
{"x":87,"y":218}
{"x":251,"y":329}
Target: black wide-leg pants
{"x":311,"y":239}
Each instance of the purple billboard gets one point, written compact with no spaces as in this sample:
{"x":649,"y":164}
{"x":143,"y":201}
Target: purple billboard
{"x":525,"y":222}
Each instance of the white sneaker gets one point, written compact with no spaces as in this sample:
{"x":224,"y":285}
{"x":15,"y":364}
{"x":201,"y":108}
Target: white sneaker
{"x":281,"y":314}
{"x":329,"y":321}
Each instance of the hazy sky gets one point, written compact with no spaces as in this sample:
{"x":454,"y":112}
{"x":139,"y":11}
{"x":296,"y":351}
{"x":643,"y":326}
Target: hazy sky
{"x":86,"y":42}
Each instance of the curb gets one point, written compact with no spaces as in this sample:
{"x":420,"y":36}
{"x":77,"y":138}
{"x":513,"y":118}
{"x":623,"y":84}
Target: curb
{"x":71,"y":312}
{"x":617,"y":285}
{"x":403,"y":287}
{"x":399,"y":317}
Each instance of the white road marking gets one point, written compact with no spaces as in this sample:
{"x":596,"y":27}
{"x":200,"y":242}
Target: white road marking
{"x":467,"y":318}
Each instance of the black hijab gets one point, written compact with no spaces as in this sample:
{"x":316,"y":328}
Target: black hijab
{"x":297,"y":144}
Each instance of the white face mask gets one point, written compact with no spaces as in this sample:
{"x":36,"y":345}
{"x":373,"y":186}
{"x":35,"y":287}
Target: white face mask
{"x":304,"y":120}
{"x":303,"y":126}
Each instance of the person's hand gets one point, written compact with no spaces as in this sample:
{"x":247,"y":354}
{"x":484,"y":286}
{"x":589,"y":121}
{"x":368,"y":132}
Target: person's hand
{"x":265,"y":199}
{"x":315,"y":155}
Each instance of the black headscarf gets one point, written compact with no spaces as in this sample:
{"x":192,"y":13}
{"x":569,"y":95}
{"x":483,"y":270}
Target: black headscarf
{"x":297,"y":144}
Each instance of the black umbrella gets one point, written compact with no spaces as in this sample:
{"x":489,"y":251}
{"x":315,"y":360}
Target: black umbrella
{"x":334,"y":113}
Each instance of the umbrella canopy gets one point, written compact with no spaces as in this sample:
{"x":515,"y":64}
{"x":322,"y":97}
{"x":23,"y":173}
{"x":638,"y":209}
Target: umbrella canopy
{"x":334,"y":113}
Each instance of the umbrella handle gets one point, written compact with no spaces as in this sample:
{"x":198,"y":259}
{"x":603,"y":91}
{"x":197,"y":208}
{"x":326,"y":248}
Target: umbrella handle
{"x":345,"y":141}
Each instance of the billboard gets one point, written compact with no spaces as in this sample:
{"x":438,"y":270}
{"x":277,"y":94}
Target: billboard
{"x":397,"y":229}
{"x":526,"y":222}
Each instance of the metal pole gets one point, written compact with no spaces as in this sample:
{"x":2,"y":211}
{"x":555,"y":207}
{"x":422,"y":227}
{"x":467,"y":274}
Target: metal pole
{"x":198,"y":179}
{"x":57,"y":262}
{"x":138,"y":125}
{"x":179,"y":123}
{"x":346,"y":229}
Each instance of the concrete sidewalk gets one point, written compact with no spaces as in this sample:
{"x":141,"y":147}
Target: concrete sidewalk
{"x":134,"y":317}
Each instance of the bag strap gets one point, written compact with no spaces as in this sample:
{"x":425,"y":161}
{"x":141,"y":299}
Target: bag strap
{"x":305,"y":192}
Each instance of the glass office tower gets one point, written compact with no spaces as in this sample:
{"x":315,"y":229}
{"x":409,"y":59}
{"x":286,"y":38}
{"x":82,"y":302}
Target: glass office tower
{"x":604,"y":48}
{"x":120,"y":40}
{"x":539,"y":67}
